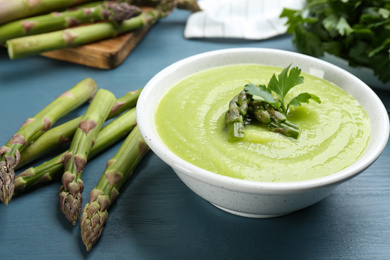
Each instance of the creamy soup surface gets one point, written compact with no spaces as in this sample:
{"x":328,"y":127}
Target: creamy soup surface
{"x":190,"y":120}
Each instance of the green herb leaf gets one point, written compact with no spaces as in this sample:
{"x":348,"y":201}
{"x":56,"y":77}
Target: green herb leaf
{"x":384,"y":46}
{"x":263,"y":92}
{"x":330,"y":24}
{"x":308,"y":42}
{"x":285,"y":81}
{"x":361,"y":28}
{"x":303,"y":98}
{"x":294,"y":18}
{"x":343,"y":27}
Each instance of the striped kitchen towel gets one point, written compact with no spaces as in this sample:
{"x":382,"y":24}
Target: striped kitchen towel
{"x":247,"y":19}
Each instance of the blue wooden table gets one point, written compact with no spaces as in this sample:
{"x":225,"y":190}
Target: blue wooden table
{"x":157,"y":216}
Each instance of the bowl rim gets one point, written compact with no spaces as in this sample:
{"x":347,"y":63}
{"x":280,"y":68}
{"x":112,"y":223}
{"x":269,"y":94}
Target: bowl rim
{"x":192,"y":171}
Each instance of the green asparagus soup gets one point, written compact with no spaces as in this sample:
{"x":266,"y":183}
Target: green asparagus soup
{"x":190,"y":119}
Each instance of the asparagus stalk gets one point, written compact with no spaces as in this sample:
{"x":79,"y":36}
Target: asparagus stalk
{"x":53,"y":169}
{"x":234,"y":117}
{"x":36,"y":126}
{"x":11,"y":10}
{"x":72,"y":37}
{"x":118,"y":170}
{"x":70,"y":194}
{"x":60,"y":20}
{"x":63,"y":133}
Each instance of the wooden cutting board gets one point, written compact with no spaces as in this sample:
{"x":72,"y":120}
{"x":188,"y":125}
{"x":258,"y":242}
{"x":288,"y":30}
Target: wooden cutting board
{"x":105,"y":54}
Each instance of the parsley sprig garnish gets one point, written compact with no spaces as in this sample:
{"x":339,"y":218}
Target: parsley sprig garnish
{"x":267,"y":105}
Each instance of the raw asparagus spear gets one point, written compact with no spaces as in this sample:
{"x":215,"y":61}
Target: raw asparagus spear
{"x":76,"y":158}
{"x":118,"y":170}
{"x":60,"y":20}
{"x":11,"y":10}
{"x":63,"y":133}
{"x":53,"y":169}
{"x":36,"y":126}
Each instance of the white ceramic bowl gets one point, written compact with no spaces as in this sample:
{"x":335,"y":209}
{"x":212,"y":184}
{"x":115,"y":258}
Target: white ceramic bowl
{"x":248,"y":198}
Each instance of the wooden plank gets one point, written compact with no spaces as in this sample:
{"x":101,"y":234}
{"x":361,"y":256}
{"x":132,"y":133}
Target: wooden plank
{"x":106,"y":54}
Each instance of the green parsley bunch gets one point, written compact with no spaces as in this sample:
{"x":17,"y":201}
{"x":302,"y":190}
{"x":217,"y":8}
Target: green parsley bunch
{"x":355,"y":30}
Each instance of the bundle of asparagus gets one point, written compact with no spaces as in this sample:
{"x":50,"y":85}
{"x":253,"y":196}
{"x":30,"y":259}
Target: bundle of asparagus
{"x":34,"y":127}
{"x":53,"y":169}
{"x":29,"y":27}
{"x":52,"y":31}
{"x":54,"y":21}
{"x":88,"y":139}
